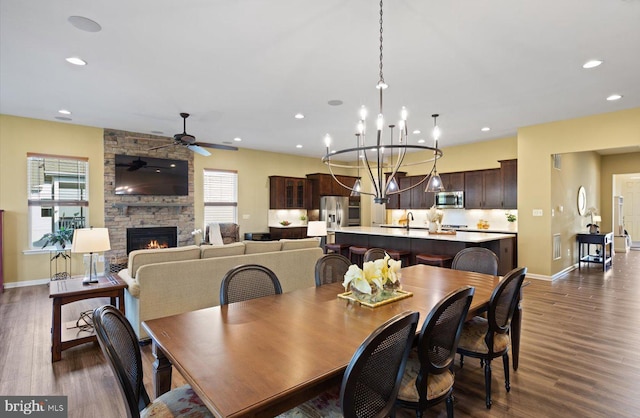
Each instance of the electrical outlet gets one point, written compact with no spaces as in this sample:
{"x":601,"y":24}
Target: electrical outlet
{"x":537,"y":212}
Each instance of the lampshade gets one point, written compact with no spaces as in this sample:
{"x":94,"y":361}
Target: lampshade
{"x":317,"y":229}
{"x":90,"y":240}
{"x":597,"y":218}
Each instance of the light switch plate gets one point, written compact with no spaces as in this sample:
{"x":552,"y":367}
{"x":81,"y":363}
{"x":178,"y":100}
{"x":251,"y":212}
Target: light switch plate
{"x":537,"y":212}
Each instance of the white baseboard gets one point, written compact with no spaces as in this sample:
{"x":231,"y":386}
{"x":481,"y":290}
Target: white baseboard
{"x":12,"y":285}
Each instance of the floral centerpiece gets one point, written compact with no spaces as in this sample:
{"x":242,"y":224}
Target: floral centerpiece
{"x":376,"y":281}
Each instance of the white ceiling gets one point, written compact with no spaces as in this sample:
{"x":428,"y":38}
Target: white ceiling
{"x":243,"y":68}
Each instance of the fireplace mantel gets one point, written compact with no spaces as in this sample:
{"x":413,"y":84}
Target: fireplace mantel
{"x":124,"y":207}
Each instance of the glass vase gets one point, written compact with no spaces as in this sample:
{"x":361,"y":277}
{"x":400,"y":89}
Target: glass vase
{"x":373,"y":297}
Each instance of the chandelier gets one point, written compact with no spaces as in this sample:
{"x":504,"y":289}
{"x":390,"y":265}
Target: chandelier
{"x":378,"y":160}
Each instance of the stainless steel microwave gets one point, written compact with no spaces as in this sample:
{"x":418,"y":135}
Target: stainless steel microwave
{"x":449,"y":200}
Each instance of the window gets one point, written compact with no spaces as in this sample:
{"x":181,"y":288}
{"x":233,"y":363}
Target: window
{"x":220,"y":196}
{"x":58,"y":195}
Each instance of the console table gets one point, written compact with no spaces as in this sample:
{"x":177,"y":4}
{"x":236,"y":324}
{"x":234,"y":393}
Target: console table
{"x":602,"y":255}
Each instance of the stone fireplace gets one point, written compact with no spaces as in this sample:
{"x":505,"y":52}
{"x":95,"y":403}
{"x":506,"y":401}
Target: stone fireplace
{"x":144,"y":212}
{"x":151,"y":237}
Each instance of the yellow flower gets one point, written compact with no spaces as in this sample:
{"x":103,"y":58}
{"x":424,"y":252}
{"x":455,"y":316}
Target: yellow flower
{"x":373,"y":273}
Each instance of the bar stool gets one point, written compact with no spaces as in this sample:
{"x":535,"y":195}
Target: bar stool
{"x":400,"y":255}
{"x":342,"y":249}
{"x":358,"y":253}
{"x":438,"y":260}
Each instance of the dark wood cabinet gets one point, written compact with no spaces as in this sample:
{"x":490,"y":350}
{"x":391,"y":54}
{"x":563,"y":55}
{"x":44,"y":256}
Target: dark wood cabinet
{"x":325,"y":185}
{"x":453,"y":182}
{"x":509,"y":171}
{"x":293,"y":232}
{"x":288,"y":193}
{"x":483,"y":189}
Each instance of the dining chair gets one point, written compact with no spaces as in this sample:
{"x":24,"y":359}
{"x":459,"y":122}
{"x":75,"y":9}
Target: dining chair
{"x":428,"y":378}
{"x":477,"y":259}
{"x":120,"y":346}
{"x":371,"y":381}
{"x":373,"y":254}
{"x":488,"y":338}
{"x":248,"y":281}
{"x":331,"y":268}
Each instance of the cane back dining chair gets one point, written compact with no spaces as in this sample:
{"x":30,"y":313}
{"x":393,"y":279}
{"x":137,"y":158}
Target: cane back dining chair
{"x":371,"y":381}
{"x":488,"y":338}
{"x":119,"y":344}
{"x":428,"y":378}
{"x":373,"y":254}
{"x":331,"y":268}
{"x":477,"y":259}
{"x":248,"y":281}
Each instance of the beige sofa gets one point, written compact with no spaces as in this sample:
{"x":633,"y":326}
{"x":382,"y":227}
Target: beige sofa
{"x":175,"y":280}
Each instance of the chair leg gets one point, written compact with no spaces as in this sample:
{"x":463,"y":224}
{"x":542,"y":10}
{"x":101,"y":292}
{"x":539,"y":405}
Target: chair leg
{"x":505,"y":363}
{"x":461,"y":361}
{"x":449,"y":402}
{"x":487,"y":382}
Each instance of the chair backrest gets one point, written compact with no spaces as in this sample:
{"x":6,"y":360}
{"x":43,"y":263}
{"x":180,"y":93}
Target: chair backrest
{"x":503,"y":302}
{"x":120,"y":346}
{"x":373,"y":254}
{"x":372,"y":379}
{"x":478,"y":259}
{"x":248,"y":281}
{"x":229,"y":231}
{"x":331,"y":268}
{"x":440,"y":334}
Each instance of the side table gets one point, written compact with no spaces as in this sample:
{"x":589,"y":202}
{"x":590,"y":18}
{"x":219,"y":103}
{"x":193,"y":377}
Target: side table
{"x":73,"y":290}
{"x":605,"y":241}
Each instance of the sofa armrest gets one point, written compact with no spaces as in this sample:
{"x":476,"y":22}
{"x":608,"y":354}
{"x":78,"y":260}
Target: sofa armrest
{"x":133,"y":285}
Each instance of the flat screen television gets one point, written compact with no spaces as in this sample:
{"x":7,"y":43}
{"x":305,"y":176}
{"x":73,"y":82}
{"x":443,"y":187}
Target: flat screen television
{"x":151,"y":176}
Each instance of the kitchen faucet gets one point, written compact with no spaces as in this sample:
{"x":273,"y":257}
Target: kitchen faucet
{"x":409,"y":218}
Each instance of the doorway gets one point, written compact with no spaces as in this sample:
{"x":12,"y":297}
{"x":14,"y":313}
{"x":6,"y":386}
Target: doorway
{"x":628,"y":186}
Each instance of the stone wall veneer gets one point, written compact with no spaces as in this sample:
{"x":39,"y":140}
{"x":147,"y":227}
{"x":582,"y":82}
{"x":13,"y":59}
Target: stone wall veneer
{"x":129,"y":143}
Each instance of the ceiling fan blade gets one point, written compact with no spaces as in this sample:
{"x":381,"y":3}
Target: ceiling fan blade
{"x":199,"y":150}
{"x":218,"y":146}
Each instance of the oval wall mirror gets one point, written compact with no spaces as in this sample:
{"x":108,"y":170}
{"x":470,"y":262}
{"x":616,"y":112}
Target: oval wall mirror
{"x":582,"y":201}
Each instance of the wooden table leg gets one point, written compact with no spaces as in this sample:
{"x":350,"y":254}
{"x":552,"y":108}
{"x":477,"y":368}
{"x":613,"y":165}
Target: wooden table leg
{"x":161,"y":371}
{"x":56,"y":330}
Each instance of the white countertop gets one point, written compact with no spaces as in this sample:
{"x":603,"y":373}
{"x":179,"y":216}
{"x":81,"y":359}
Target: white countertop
{"x":425,"y":227}
{"x":460,"y":236}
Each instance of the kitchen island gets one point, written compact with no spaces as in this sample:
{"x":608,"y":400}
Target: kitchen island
{"x":420,"y":241}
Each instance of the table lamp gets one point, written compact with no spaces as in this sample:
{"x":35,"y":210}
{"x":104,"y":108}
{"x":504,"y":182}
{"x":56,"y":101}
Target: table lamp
{"x":317,"y":229}
{"x":90,"y":240}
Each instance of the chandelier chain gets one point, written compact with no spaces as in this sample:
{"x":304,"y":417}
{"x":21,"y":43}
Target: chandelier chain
{"x":381,"y":75}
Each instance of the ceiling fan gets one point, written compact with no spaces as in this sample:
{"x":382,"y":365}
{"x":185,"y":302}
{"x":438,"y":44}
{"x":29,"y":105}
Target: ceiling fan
{"x":189,"y":141}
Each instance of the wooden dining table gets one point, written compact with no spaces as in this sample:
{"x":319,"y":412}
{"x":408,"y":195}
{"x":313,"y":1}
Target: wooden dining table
{"x":264,"y":356}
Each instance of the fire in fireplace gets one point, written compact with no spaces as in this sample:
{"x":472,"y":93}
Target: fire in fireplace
{"x":151,"y":237}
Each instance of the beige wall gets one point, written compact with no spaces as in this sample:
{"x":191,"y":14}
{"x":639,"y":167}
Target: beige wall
{"x":18,"y":136}
{"x":535,"y":146}
{"x":614,"y":164}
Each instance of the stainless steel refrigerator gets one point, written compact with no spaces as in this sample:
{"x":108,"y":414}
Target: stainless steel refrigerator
{"x":335,"y":211}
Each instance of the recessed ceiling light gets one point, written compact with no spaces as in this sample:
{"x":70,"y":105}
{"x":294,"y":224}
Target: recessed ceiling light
{"x":64,"y":118}
{"x":591,"y":64}
{"x":485,"y":129}
{"x":417,"y":131}
{"x":614,"y":97}
{"x":298,"y":146}
{"x":420,"y":141}
{"x":64,"y":112}
{"x":237,"y":139}
{"x":299,"y":116}
{"x":76,"y":61}
{"x":82,"y":23}
{"x":335,"y":102}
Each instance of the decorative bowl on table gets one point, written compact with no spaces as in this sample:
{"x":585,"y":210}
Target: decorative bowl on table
{"x":285,"y":223}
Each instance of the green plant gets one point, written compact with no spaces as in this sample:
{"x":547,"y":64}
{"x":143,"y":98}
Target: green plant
{"x":59,"y":237}
{"x":511,"y":217}
{"x":303,"y":217}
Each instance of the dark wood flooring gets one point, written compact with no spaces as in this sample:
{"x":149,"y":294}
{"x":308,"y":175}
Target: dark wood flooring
{"x":579,"y":355}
